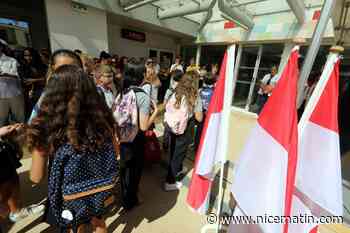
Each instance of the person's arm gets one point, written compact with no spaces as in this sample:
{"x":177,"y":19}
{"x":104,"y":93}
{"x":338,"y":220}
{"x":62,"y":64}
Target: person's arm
{"x":5,"y":130}
{"x":39,"y":166}
{"x":157,"y":82}
{"x":147,"y":120}
{"x":172,"y":68}
{"x":263,"y":83}
{"x":198,"y":110}
{"x":198,"y":116}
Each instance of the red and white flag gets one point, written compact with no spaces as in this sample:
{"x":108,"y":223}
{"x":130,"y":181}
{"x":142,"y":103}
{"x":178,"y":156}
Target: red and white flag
{"x":210,"y":151}
{"x":264,"y":177}
{"x":318,"y":177}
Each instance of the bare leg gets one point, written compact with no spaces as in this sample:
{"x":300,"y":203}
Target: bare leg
{"x":99,"y":225}
{"x":4,"y":211}
{"x":81,"y":229}
{"x":14,"y":200}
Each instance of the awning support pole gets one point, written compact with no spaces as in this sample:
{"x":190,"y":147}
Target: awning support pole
{"x":298,"y":8}
{"x":322,"y":23}
{"x":255,"y":76}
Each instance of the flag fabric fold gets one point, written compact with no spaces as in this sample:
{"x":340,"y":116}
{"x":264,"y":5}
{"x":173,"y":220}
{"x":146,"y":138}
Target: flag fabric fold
{"x":264,"y":176}
{"x":319,"y":149}
{"x":318,"y":178}
{"x":208,"y":151}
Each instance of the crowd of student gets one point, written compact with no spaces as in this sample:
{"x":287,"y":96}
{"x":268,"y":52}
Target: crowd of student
{"x":86,"y":127}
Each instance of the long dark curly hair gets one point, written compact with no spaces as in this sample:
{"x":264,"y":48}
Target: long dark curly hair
{"x":71,"y":112}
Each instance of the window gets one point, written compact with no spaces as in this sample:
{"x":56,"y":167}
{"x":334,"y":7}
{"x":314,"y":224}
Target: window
{"x":256,"y":62}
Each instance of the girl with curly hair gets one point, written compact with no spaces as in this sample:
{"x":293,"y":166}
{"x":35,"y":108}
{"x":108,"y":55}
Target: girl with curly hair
{"x":71,"y":113}
{"x":185,"y":92}
{"x":59,"y":57}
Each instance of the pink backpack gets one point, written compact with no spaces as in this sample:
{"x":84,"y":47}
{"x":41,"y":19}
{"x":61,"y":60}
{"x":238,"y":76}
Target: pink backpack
{"x":126,"y":115}
{"x":177,"y":118}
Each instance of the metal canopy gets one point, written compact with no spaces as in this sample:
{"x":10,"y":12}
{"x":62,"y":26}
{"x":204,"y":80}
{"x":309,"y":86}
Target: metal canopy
{"x":185,"y":9}
{"x":240,"y":11}
{"x":128,"y":6}
{"x":298,"y":7}
{"x":237,"y":14}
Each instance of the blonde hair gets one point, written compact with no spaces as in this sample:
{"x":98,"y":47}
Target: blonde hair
{"x":102,"y":69}
{"x":150,"y":75}
{"x":185,"y":88}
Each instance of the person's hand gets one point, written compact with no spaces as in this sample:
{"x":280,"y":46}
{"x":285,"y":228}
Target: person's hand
{"x":155,"y":107}
{"x":31,"y":93}
{"x":268,"y":89}
{"x":9,"y":129}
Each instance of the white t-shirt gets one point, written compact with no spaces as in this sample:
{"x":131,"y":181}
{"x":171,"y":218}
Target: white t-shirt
{"x":176,"y":67}
{"x":9,"y":87}
{"x":157,"y":68}
{"x":266,"y":79}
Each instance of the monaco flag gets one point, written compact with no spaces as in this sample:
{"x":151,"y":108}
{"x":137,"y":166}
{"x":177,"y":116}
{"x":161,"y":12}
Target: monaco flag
{"x":264,"y":177}
{"x":318,"y":176}
{"x":210,"y":149}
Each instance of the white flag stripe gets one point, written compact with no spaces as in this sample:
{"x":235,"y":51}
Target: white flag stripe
{"x":210,"y":146}
{"x":299,"y":209}
{"x":223,"y":146}
{"x":318,"y":177}
{"x":242,"y":228}
{"x":318,"y":168}
{"x":261,"y":189}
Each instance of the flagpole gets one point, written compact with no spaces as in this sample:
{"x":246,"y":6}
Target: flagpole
{"x":331,"y":60}
{"x":225,"y":126}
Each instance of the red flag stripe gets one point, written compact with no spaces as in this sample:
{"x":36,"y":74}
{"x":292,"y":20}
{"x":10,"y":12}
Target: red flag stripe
{"x":282,"y":94}
{"x":200,"y":186}
{"x":328,"y":118}
{"x":285,"y":92}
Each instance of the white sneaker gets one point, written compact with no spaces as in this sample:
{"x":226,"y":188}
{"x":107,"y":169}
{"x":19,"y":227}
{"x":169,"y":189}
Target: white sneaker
{"x":172,"y":187}
{"x":182,"y":172}
{"x":25,"y":212}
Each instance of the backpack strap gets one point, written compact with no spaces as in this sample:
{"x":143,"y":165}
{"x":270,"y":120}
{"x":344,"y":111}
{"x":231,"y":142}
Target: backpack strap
{"x":269,"y":81}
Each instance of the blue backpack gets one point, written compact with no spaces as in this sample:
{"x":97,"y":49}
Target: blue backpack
{"x":81,"y":184}
{"x":205,"y":94}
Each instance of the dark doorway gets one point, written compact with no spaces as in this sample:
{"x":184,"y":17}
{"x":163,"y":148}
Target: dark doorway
{"x":33,"y":14}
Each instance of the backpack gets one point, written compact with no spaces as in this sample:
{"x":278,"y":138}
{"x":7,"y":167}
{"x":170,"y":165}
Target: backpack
{"x":125,"y":113}
{"x":205,"y":95}
{"x":81,"y":183}
{"x":152,"y":151}
{"x":176,"y":118}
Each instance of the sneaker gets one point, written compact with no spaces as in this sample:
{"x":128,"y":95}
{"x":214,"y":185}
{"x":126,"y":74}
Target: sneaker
{"x":172,"y":187}
{"x":25,"y":212}
{"x":182,"y":172}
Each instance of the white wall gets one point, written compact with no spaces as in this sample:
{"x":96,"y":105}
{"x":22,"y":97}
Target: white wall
{"x":129,"y":48}
{"x":146,"y":14}
{"x":75,"y":30}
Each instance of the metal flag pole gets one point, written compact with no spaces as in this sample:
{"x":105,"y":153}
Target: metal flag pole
{"x":225,"y":126}
{"x":326,"y":12}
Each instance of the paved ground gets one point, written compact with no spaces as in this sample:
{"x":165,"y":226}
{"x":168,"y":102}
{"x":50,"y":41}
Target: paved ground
{"x":161,"y":212}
